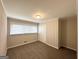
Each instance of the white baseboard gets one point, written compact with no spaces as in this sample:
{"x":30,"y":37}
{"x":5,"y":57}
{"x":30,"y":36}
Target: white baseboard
{"x":22,"y":44}
{"x":70,"y":48}
{"x":40,"y":41}
{"x":52,"y":46}
{"x":49,"y":45}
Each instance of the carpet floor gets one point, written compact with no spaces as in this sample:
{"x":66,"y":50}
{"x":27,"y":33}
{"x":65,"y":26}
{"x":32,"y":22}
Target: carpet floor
{"x":39,"y":50}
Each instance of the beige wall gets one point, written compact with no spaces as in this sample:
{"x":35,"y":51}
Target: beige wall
{"x":42,"y":32}
{"x":69,"y":32}
{"x":63,"y":31}
{"x":17,"y":40}
{"x":59,"y":32}
{"x":48,"y":33}
{"x":20,"y":39}
{"x":3,"y":31}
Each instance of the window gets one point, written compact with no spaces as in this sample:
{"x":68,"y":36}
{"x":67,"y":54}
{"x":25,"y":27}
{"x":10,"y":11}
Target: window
{"x":22,"y":29}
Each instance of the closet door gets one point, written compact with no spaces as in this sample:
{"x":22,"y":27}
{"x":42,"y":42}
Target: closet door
{"x":52,"y":33}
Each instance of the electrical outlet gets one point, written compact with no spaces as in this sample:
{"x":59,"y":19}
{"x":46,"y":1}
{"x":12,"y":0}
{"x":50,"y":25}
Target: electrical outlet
{"x":25,"y":41}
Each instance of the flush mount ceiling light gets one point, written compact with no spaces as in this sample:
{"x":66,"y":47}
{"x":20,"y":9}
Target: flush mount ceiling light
{"x":38,"y":16}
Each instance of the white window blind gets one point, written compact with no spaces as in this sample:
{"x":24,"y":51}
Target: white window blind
{"x":22,"y":28}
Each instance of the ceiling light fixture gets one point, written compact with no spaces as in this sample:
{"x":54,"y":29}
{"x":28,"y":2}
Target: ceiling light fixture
{"x":38,"y":16}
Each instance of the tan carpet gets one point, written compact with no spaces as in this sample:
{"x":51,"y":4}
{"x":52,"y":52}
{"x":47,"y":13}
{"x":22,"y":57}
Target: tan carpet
{"x":39,"y":50}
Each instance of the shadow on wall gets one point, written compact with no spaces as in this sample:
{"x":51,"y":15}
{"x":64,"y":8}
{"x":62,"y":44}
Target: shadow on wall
{"x":68,"y":32}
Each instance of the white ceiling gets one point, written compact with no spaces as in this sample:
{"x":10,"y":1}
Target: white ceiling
{"x":47,"y":9}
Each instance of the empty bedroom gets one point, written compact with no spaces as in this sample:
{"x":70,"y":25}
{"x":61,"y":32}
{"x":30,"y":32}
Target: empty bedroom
{"x":38,"y":29}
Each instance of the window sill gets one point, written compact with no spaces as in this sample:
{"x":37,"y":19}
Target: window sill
{"x":22,"y":34}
